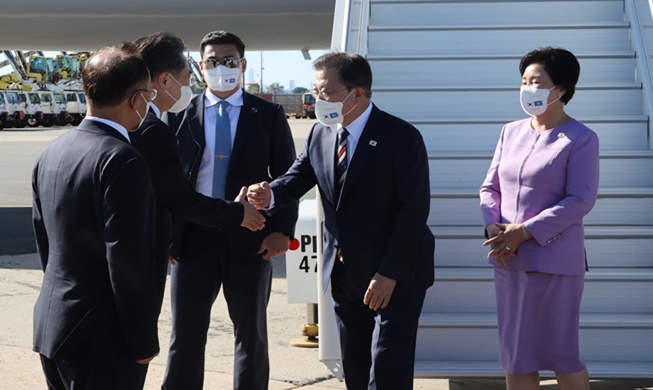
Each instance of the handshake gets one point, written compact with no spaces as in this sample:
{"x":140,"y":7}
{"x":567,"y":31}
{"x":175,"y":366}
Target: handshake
{"x":256,"y":197}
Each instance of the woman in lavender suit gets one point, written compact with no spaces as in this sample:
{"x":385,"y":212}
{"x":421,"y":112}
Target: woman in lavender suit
{"x":542,"y":181}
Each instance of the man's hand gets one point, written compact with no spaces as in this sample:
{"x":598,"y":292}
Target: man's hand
{"x":379,"y":292}
{"x":260,"y":195}
{"x":145,"y":361}
{"x":274,"y":245}
{"x":252,"y":219}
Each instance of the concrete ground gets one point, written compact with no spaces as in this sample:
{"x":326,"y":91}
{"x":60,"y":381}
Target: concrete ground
{"x":291,"y":367}
{"x":20,"y":281}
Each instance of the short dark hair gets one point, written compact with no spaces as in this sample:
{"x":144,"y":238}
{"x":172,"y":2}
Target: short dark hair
{"x":222,"y":38}
{"x":353,"y":69}
{"x":162,"y":52}
{"x":112,"y":74}
{"x":560,"y":64}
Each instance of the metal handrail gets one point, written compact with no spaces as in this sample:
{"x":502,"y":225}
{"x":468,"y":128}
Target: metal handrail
{"x":350,"y":26}
{"x":642,"y":57}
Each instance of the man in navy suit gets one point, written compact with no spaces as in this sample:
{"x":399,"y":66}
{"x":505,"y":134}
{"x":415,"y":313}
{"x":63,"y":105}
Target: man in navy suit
{"x":95,"y":320}
{"x":371,"y":169}
{"x":163,"y":54}
{"x":227,"y":139}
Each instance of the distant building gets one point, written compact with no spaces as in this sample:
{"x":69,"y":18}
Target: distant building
{"x":292,"y":85}
{"x":250,"y":76}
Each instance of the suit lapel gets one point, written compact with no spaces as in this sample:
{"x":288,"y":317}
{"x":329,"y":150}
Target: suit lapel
{"x":196,"y":121}
{"x":367,"y":146}
{"x":246,"y":123}
{"x":330,"y":135}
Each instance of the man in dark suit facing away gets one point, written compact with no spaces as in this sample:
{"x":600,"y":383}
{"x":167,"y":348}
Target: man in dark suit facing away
{"x":95,"y":320}
{"x":371,"y":169}
{"x":163,"y":54}
{"x":227,"y":139}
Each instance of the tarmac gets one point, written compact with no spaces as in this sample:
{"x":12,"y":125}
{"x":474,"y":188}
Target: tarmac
{"x":291,"y":367}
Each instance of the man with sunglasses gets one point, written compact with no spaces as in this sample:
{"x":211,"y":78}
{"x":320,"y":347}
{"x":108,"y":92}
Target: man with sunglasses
{"x":164,"y":55}
{"x":227,"y":139}
{"x":95,"y":320}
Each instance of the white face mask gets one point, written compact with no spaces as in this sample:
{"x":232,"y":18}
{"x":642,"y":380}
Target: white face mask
{"x":330,"y":113}
{"x":142,"y":118}
{"x":534,"y":100}
{"x":222,"y":79}
{"x":186,"y":95}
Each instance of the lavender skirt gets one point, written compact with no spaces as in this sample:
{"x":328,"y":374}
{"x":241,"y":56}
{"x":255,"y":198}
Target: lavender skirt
{"x":538,"y":317}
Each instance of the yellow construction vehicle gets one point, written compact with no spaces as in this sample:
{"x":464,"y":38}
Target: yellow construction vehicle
{"x":197,"y":82}
{"x":34,"y":89}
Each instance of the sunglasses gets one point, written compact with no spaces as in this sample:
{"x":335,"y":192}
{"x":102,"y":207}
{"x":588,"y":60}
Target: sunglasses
{"x":229,"y":62}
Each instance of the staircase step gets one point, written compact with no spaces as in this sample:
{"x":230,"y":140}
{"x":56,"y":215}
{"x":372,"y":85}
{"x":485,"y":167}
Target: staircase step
{"x":623,"y":247}
{"x":489,"y":320}
{"x":471,"y":290}
{"x":481,"y":135}
{"x":500,"y":69}
{"x":621,"y":169}
{"x":472,"y":336}
{"x":614,"y":206}
{"x":425,"y":40}
{"x":502,"y":101}
{"x":491,"y":368}
{"x":389,"y":13}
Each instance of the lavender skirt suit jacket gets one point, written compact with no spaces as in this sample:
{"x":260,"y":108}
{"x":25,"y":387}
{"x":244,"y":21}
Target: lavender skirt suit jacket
{"x":548,"y":181}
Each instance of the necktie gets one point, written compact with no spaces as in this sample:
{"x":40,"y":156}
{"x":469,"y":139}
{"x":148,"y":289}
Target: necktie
{"x":341,"y":172}
{"x":341,"y":161}
{"x":222,"y":150}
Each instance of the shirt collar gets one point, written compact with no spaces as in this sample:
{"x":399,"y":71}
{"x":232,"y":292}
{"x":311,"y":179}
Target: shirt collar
{"x":118,"y":127}
{"x":356,"y":127}
{"x":235,"y":99}
{"x":156,"y":110}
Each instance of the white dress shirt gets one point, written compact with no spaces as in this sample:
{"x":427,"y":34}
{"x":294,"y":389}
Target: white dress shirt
{"x":118,"y":127}
{"x":205,"y":174}
{"x":156,"y":110}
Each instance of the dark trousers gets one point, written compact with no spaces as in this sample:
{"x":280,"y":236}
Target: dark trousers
{"x":195,"y":283}
{"x":102,"y":362}
{"x":377,"y":347}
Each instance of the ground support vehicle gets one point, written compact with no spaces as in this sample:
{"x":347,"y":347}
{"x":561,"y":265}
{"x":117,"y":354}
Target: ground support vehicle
{"x":308,"y":102}
{"x":292,"y":104}
{"x":16,"y":108}
{"x":76,"y":106}
{"x":53,"y":105}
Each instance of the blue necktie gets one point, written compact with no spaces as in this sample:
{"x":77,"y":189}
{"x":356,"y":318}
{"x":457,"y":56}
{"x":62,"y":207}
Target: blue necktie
{"x":222,"y":150}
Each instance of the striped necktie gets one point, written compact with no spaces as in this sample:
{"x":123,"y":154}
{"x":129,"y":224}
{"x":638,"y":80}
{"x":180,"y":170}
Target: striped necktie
{"x":341,"y":162}
{"x":222,"y":150}
{"x":341,"y":172}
